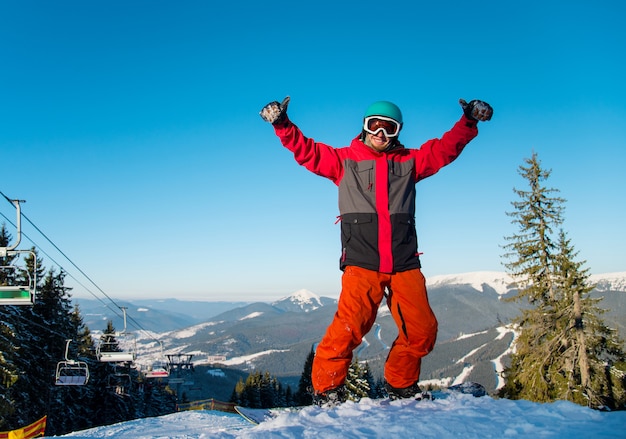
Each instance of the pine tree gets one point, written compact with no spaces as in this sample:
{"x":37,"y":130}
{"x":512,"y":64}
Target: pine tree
{"x":563,"y":350}
{"x":252,"y":391}
{"x":531,"y":250}
{"x":379,"y":388}
{"x":358,"y":381}
{"x":14,"y":321}
{"x":114,"y":383}
{"x":236,"y":397}
{"x":303,"y":394}
{"x":8,"y":370}
{"x":280,"y":395}
{"x":69,"y":407}
{"x":372,"y":391}
{"x":76,"y":404}
{"x":289,"y":397}
{"x":261,"y":391}
{"x":590,"y":350}
{"x":267,"y":391}
{"x":32,"y":359}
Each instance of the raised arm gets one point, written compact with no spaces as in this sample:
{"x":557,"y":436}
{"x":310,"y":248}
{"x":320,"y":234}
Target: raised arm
{"x":318,"y":158}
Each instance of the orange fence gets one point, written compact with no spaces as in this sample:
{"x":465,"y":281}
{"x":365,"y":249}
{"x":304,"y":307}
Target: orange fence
{"x":36,"y":429}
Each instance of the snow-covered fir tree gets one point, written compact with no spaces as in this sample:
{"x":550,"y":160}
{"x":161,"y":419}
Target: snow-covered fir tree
{"x":359,"y":380}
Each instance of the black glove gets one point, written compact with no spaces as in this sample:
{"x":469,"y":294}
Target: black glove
{"x":275,"y":112}
{"x":476,"y":110}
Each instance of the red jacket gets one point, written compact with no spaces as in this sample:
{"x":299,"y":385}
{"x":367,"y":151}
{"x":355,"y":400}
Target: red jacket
{"x":377,"y":191}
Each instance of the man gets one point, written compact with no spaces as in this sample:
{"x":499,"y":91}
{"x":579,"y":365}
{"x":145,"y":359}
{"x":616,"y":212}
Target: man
{"x":376,"y":176}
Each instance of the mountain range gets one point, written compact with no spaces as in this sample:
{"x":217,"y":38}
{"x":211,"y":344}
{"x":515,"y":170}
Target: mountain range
{"x":473,"y":338}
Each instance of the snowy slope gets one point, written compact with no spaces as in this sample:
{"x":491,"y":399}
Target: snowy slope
{"x":459,"y":416}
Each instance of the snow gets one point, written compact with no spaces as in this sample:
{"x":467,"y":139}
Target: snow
{"x":247,"y":358}
{"x":502,"y":282}
{"x":498,"y":362}
{"x":304,"y":299}
{"x":464,"y":336}
{"x":252,"y":315}
{"x":192,"y":330}
{"x":458,"y":416}
{"x":216,"y":373}
{"x":304,"y":296}
{"x":609,"y":281}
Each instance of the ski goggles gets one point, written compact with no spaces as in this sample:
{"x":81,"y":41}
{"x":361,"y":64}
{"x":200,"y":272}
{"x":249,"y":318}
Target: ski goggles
{"x":375,"y":124}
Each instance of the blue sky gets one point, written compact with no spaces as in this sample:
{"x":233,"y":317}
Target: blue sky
{"x":131,"y":129}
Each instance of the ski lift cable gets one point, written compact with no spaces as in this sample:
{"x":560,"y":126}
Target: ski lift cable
{"x":66,"y":257}
{"x":61,"y":266}
{"x":132,"y":320}
{"x":60,"y":251}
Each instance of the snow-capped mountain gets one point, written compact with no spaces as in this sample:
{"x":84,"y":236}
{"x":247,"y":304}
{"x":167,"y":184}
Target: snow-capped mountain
{"x":500,"y":282}
{"x":171,"y":314}
{"x":609,"y":281}
{"x":504,"y":284}
{"x":302,"y":300}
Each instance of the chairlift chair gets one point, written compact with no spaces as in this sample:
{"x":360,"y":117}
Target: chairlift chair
{"x":23,"y":294}
{"x":106,"y":356}
{"x":17,"y":294}
{"x":120,"y":382}
{"x":180,"y":363}
{"x":159,"y":368}
{"x":108,"y":342}
{"x":71,"y":372}
{"x":108,"y":349}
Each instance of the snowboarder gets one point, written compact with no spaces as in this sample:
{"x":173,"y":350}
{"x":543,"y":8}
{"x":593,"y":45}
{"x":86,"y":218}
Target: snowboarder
{"x":376,"y":177}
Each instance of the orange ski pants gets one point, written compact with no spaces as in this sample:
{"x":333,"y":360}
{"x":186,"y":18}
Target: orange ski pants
{"x":361,"y":295}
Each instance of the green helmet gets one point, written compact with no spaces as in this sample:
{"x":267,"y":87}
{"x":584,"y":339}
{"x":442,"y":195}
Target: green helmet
{"x":384,"y":108}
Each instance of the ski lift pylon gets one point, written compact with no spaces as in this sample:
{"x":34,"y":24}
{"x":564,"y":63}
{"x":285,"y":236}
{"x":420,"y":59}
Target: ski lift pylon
{"x":71,"y":372}
{"x":23,"y":294}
